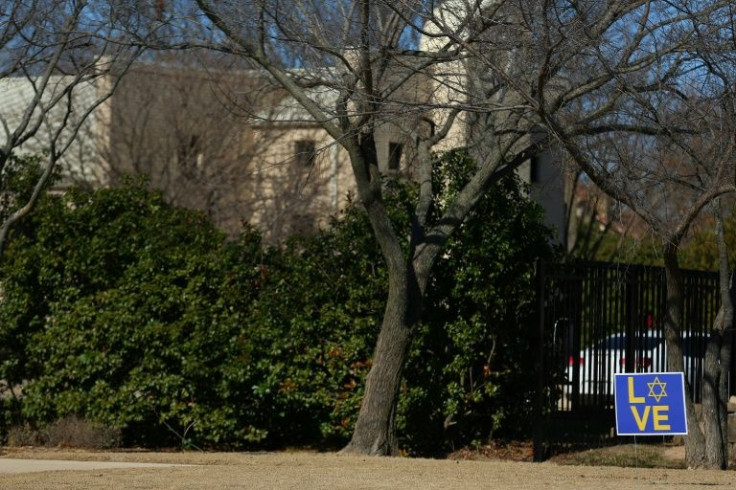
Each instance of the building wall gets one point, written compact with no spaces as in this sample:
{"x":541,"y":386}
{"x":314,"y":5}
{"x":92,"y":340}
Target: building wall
{"x":186,"y":133}
{"x":227,"y":145}
{"x":548,"y":190}
{"x":301,"y":180}
{"x":455,"y":82}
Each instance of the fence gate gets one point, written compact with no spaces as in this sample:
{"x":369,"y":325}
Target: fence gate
{"x":597,"y":319}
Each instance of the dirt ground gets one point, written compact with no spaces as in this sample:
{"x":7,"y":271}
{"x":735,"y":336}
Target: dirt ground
{"x":301,"y":470}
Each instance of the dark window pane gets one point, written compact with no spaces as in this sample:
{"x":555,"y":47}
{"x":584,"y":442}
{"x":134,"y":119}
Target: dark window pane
{"x":304,"y":152}
{"x":394,"y":156}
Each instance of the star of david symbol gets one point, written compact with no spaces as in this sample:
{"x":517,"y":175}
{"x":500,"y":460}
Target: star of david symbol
{"x":657,"y":383}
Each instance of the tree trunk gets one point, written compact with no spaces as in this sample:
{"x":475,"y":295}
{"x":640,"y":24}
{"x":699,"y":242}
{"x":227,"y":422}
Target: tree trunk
{"x":694,"y":440}
{"x":718,"y":360}
{"x":723,"y":389}
{"x":714,"y":435}
{"x":375,"y":429}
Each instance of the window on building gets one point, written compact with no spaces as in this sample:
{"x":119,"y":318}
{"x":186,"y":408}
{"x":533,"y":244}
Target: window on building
{"x":394,"y":156}
{"x":305,"y":152}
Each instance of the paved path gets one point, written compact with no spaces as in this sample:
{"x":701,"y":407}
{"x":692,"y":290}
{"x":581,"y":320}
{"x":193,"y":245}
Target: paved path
{"x":11,"y":465}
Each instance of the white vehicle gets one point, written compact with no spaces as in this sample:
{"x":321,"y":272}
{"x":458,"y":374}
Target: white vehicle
{"x":598,"y":363}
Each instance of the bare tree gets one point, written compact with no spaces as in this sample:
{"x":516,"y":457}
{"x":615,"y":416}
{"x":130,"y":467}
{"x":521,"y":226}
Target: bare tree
{"x":59,"y":62}
{"x":640,"y":95}
{"x":718,"y":359}
{"x":717,"y":48}
{"x":582,"y":73}
{"x":358,"y":54}
{"x":504,"y":78}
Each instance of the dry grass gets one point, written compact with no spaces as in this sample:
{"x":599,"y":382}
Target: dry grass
{"x":626,"y":456}
{"x":333,"y":471}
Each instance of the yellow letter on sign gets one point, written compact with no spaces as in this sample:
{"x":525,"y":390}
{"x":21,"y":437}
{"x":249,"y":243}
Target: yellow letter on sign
{"x":632,"y":398}
{"x":641,"y":422}
{"x":660,"y":415}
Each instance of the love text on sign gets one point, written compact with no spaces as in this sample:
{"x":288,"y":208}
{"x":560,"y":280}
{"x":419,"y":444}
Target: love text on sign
{"x":650,"y":404}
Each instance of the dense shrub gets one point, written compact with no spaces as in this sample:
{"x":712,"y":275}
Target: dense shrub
{"x":135,"y":315}
{"x":317,"y":322}
{"x":470,"y":374}
{"x":126,"y":312}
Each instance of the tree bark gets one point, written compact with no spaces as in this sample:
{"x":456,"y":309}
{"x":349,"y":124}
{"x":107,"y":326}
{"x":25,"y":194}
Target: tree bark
{"x":718,"y":360}
{"x":714,"y":435}
{"x":723,"y":388}
{"x":694,"y":440}
{"x":375,"y":432}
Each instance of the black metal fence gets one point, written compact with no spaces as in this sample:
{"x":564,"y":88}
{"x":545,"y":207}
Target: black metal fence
{"x":598,"y":319}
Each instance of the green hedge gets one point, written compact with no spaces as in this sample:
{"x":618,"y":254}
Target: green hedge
{"x":126,"y":311}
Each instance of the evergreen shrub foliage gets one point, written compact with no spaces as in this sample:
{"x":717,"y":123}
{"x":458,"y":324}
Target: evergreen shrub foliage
{"x":128,"y":312}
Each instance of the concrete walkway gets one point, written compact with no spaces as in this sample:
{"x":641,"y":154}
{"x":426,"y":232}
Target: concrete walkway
{"x":11,"y":465}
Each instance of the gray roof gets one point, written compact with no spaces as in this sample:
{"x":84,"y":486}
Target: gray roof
{"x":16,"y":94}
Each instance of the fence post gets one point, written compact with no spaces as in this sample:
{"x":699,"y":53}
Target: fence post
{"x":633,"y":276}
{"x":731,"y":338}
{"x":539,"y":412}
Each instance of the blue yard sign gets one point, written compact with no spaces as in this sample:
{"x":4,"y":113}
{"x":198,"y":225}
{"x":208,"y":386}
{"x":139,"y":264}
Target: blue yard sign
{"x":650,"y":404}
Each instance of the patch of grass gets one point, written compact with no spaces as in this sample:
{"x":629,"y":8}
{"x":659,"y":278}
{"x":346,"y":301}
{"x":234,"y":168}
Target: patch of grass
{"x":629,"y":456}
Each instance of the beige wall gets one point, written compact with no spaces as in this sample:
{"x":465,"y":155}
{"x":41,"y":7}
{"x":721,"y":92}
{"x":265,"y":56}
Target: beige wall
{"x":234,"y":158}
{"x":227,"y":145}
{"x":294,"y":198}
{"x":449,"y":87}
{"x":205,"y":150}
{"x":294,"y":195}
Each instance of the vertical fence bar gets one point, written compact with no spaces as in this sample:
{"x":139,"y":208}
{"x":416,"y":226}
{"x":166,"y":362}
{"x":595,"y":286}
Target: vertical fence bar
{"x":632,"y":277}
{"x":576,"y":291}
{"x":590,"y":308}
{"x":539,"y":415}
{"x":730,"y":336}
